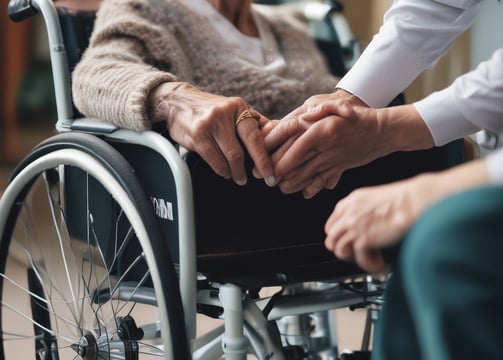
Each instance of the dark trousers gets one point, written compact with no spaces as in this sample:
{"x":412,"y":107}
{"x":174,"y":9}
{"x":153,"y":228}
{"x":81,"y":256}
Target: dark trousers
{"x":444,"y":297}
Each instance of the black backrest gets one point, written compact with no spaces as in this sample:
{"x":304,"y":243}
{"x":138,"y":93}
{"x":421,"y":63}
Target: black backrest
{"x":76,"y":26}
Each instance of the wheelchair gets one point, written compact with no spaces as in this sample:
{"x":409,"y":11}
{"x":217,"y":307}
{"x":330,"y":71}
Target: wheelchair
{"x":112,"y":242}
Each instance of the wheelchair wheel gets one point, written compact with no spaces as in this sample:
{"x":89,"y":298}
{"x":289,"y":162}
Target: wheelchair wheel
{"x":84,"y":273}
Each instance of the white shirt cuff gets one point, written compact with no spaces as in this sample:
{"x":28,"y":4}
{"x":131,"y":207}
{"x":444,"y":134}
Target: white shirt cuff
{"x":495,"y":166}
{"x":443,"y":117}
{"x":396,"y":67}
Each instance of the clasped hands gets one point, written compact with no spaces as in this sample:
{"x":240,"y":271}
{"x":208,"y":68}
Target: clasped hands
{"x":310,"y":149}
{"x":312,"y":146}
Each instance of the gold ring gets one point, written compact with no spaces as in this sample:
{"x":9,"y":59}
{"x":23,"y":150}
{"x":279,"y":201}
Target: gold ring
{"x":244,"y":115}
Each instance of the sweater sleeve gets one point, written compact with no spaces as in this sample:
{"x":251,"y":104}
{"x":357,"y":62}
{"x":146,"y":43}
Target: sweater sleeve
{"x":116,"y":74}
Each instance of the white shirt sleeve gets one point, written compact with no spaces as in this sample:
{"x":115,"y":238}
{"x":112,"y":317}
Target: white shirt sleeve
{"x":473,"y":102}
{"x":415,"y":33}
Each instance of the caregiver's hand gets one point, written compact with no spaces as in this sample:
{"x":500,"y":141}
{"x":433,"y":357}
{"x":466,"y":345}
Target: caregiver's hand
{"x":376,"y":217}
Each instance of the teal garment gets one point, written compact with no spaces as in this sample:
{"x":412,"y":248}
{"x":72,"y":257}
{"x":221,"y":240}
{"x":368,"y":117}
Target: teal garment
{"x":443,"y":300}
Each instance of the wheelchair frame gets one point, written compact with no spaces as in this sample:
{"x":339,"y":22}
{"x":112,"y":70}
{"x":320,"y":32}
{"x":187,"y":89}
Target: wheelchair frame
{"x":250,"y":322}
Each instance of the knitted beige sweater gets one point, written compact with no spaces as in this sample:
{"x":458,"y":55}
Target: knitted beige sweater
{"x":139,"y":44}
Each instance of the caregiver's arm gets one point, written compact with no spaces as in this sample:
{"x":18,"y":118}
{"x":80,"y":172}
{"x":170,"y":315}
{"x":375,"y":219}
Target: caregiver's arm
{"x":414,"y":34}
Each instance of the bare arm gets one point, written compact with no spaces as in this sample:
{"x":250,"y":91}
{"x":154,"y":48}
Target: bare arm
{"x":375,"y":217}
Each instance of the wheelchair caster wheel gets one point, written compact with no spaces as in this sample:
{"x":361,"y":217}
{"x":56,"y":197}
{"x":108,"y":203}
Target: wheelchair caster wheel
{"x":356,"y":355}
{"x":294,"y":353}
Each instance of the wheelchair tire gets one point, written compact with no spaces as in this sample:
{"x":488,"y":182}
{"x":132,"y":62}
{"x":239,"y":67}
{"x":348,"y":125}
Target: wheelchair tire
{"x":85,"y":273}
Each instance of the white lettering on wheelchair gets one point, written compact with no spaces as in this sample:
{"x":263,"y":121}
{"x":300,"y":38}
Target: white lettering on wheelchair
{"x":163,"y":208}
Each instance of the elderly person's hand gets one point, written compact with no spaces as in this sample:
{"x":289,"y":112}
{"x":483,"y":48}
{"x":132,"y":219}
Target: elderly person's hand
{"x":216,"y":127}
{"x":377,"y":217}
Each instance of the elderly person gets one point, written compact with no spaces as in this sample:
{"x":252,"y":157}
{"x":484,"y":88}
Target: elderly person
{"x":207,"y":69}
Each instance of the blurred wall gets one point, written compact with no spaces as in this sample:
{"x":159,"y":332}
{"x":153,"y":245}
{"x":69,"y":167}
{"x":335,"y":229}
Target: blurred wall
{"x":486,"y":31}
{"x":485,"y":38}
{"x":14,"y":58}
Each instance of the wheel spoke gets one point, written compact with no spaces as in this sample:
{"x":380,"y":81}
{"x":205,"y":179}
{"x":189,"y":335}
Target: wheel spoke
{"x":51,"y":188}
{"x":29,"y":319}
{"x":71,"y":251}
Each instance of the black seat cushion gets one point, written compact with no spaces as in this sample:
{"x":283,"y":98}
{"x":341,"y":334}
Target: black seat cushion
{"x":254,"y":229}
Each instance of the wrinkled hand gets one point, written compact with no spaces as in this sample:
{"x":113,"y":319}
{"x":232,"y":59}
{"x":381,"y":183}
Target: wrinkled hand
{"x":337,"y":135}
{"x":341,"y":136}
{"x":291,"y":126}
{"x":372,"y":218}
{"x":282,"y":135}
{"x":206,"y":123}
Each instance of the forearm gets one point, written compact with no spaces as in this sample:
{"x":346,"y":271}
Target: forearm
{"x":414,"y":35}
{"x":182,"y":102}
{"x":375,"y":217}
{"x":401,"y":128}
{"x":459,"y":178}
{"x":165,"y":98}
{"x":345,"y":94}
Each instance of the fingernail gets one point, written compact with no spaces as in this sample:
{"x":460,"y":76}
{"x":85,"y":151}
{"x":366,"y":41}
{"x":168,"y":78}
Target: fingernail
{"x":241,"y":182}
{"x":270,"y":181}
{"x":310,"y":192}
{"x":256,"y":174}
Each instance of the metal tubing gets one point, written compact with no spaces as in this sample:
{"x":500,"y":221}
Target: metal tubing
{"x":59,"y":63}
{"x":234,"y":343}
